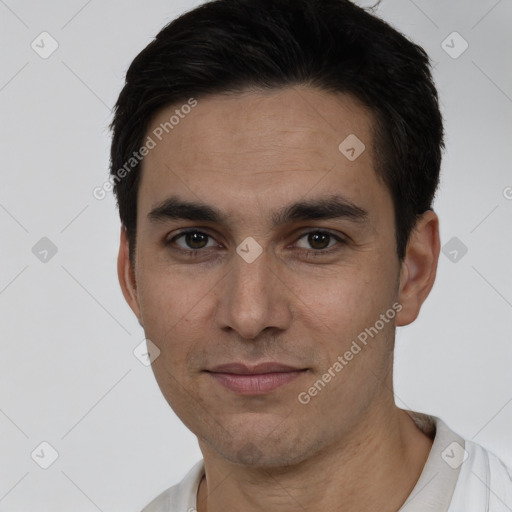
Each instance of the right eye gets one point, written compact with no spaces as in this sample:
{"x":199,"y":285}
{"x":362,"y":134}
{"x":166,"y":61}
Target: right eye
{"x":194,"y":241}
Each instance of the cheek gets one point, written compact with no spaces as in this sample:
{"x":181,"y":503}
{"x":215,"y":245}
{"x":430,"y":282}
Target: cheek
{"x":167,"y":306}
{"x":348,"y":296}
{"x":346,"y":315}
{"x":177,"y":306}
{"x":170,"y":294}
{"x":171,"y":307}
{"x":343,"y":314}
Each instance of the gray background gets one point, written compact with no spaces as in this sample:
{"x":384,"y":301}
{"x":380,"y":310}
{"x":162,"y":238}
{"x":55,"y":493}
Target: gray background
{"x":67,"y":369}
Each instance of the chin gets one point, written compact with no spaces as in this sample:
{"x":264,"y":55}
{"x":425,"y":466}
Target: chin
{"x":278,"y":449}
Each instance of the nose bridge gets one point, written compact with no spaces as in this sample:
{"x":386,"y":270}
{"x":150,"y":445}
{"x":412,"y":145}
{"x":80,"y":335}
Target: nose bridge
{"x":251,"y":302}
{"x":251,"y":285}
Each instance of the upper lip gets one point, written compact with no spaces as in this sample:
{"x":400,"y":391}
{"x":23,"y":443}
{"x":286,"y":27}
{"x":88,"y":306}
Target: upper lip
{"x":242,"y":369}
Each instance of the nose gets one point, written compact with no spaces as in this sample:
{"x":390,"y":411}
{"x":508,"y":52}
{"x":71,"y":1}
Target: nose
{"x":253,"y":298}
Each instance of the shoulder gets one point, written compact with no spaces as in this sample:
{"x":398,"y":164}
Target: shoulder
{"x":461,"y":474}
{"x":484,"y":481}
{"x":180,"y":497}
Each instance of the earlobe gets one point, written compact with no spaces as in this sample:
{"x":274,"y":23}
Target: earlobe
{"x":419,"y":267}
{"x":126,"y":275}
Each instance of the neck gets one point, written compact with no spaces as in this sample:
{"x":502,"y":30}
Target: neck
{"x":375,"y":468}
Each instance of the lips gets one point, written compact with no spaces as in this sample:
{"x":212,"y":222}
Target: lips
{"x":262,"y":368}
{"x":254,"y":380}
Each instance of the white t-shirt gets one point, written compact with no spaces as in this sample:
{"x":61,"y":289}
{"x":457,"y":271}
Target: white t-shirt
{"x":459,"y":476}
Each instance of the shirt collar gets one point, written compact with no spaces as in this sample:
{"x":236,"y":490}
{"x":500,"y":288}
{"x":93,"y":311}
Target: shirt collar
{"x":434,"y":489}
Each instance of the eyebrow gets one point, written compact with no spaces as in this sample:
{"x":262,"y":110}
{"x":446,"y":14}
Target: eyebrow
{"x":331,"y":207}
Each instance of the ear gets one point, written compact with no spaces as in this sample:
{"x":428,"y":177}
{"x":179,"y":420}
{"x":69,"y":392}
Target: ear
{"x":126,"y":275}
{"x":419,"y":267}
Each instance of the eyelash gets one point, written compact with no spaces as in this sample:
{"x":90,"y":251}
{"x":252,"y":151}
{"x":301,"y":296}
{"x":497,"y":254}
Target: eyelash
{"x":309,"y":252}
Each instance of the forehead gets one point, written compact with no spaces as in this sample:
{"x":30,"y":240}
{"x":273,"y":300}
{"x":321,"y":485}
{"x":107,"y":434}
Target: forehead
{"x":261,"y":148}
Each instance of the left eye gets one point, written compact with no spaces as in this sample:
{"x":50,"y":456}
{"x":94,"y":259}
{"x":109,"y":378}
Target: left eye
{"x":319,"y":240}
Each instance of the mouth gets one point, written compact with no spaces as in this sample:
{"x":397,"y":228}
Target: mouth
{"x":254,"y":380}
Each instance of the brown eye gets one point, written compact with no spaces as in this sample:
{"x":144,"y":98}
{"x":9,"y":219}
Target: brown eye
{"x":194,"y":240}
{"x":319,"y":241}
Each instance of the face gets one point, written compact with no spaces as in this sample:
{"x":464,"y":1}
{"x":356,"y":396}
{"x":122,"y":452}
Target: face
{"x":290,"y":260}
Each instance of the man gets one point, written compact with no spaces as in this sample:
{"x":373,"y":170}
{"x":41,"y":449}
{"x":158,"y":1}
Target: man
{"x":275,"y":164}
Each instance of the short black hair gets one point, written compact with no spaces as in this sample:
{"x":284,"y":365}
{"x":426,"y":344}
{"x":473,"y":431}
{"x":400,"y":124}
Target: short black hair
{"x":229,"y":46}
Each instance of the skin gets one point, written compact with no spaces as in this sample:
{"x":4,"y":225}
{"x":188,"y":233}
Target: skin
{"x":350,"y":448}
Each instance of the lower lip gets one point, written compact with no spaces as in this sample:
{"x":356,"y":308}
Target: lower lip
{"x":255,"y":384}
